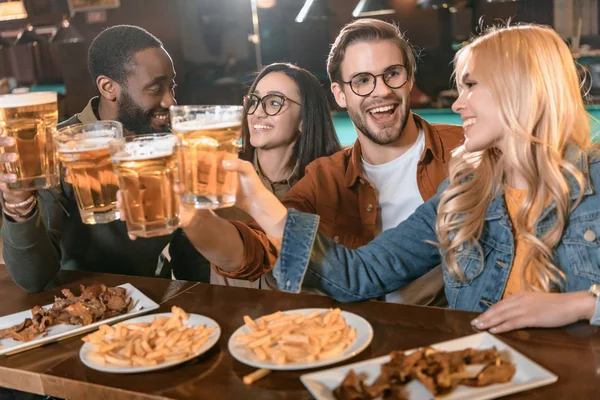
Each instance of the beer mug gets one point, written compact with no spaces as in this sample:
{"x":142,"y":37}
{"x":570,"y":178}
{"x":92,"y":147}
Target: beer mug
{"x":30,"y":118}
{"x":85,"y":157}
{"x":207,"y":136}
{"x":146,"y":166}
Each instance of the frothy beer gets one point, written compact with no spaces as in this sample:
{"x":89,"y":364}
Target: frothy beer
{"x":85,"y":156}
{"x":204,"y":146}
{"x":89,"y":169}
{"x":30,"y":118}
{"x":147,"y":170}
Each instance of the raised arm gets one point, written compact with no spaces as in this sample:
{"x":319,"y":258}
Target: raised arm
{"x":390,"y":261}
{"x":31,"y":245}
{"x":245,"y":250}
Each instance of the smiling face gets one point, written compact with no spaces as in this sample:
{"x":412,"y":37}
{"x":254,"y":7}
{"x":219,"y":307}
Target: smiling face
{"x":148,"y":93}
{"x":479,"y":111}
{"x":282,"y":129}
{"x":381,"y":116}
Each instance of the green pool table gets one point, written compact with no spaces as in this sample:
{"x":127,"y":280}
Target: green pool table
{"x":347,"y":134}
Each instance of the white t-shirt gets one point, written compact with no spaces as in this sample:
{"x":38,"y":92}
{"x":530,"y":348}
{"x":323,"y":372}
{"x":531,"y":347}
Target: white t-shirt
{"x":398,"y":195}
{"x":395,"y":184}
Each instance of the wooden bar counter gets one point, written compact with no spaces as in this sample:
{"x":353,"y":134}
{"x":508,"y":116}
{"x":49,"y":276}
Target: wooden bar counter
{"x":572,"y":353}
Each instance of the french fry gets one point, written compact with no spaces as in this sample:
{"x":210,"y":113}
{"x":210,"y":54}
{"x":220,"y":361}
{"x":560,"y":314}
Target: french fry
{"x":145,"y":345}
{"x":271,"y":317}
{"x":332,"y":351}
{"x":137,"y":327}
{"x":128,"y":349}
{"x":292,"y":351}
{"x":106,"y":330}
{"x":198,"y":345}
{"x":256,"y":375}
{"x":296,"y":338}
{"x":108,"y":347}
{"x":115,"y":360}
{"x":260,"y":353}
{"x":155,"y":355}
{"x":259,"y":342}
{"x":250,"y":323}
{"x":176,"y":356}
{"x":142,"y":362}
{"x":148,"y":344}
{"x":257,"y":334}
{"x":118,"y":331}
{"x":312,"y":315}
{"x":324,"y":339}
{"x":174,"y":337}
{"x":331,"y":317}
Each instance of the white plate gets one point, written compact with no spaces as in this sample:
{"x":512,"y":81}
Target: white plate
{"x":364,"y":336}
{"x":194,"y":321}
{"x":141,"y":304}
{"x":529,"y":375}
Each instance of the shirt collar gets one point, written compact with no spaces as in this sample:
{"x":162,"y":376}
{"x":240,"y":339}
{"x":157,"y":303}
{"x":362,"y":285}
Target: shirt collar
{"x":90,"y":112}
{"x":433,"y":142}
{"x":291,"y":180}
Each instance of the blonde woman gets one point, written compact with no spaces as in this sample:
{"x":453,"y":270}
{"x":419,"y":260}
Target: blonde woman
{"x":517,"y":224}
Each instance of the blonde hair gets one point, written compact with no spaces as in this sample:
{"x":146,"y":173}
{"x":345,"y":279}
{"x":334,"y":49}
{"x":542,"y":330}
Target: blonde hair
{"x":531,"y":74}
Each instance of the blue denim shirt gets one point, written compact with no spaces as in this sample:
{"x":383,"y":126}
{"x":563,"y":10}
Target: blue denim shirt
{"x":399,"y":255}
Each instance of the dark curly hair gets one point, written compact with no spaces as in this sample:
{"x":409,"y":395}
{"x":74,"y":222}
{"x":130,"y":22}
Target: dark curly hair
{"x":111,"y":52}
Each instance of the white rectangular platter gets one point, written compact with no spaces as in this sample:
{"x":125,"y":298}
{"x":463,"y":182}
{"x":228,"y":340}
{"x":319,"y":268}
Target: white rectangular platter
{"x":528,"y":374}
{"x":141,"y":304}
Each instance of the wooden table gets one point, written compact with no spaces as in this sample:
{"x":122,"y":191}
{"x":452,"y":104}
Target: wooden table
{"x":572,"y":353}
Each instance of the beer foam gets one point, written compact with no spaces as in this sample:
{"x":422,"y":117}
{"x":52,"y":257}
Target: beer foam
{"x":145,"y":150}
{"x":27,"y":99}
{"x":89,"y":144}
{"x":198,"y":124}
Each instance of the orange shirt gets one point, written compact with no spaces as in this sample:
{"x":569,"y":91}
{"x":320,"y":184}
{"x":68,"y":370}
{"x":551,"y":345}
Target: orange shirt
{"x":336,"y":189}
{"x":514,"y":198}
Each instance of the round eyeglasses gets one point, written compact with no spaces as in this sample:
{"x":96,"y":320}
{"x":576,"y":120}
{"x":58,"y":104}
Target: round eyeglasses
{"x":363,"y":84}
{"x":271,"y":103}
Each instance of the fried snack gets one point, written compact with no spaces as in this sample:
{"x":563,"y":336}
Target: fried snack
{"x":439,"y":371}
{"x":498,"y":372}
{"x":148,"y":343}
{"x":256,"y":375}
{"x":297,"y":338}
{"x":96,"y":302}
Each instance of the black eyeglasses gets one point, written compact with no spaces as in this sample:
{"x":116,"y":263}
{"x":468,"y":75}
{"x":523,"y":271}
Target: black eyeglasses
{"x":363,"y":84}
{"x":271,"y":103}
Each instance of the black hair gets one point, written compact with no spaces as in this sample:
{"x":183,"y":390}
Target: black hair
{"x":318,"y":137}
{"x":111,"y":52}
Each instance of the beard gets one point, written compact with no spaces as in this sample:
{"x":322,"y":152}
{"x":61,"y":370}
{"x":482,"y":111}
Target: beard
{"x":385,"y":135}
{"x":133,"y":117}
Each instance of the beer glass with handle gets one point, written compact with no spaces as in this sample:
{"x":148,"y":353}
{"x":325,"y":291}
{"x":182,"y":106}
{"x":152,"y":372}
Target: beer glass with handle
{"x":208,"y":135}
{"x":146,"y":166}
{"x":85,"y":157}
{"x":30,"y":119}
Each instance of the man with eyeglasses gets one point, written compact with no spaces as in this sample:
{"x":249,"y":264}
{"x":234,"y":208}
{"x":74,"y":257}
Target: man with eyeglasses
{"x":395,"y":165}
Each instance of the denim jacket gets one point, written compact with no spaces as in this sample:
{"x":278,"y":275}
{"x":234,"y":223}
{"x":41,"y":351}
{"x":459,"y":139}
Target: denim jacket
{"x":399,"y":255}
